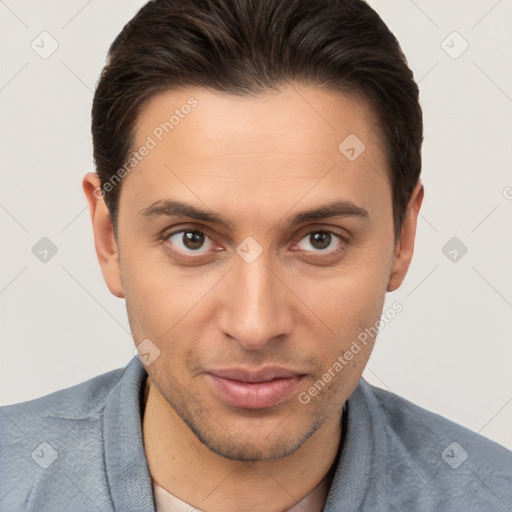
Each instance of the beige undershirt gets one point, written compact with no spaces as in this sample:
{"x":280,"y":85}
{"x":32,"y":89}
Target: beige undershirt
{"x":166,"y":502}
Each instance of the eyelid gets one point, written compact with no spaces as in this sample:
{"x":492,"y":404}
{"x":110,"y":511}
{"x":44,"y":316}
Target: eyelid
{"x":338,"y":231}
{"x":178,"y":229}
{"x":323,"y":231}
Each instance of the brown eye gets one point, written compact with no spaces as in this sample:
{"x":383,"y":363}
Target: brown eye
{"x":193,"y":239}
{"x":319,"y":241}
{"x":190,"y":240}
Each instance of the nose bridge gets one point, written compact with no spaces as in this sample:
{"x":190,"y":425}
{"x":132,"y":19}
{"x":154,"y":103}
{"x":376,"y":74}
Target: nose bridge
{"x":254,"y":312}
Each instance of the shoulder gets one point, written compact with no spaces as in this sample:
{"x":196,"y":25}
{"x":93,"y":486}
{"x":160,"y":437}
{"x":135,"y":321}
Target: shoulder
{"x":49,"y":444}
{"x":441,"y":460}
{"x":81,"y":401}
{"x":410,"y":423}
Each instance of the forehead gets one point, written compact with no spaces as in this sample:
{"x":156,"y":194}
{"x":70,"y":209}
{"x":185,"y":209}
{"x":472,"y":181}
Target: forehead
{"x":294,"y":121}
{"x":278,"y":147}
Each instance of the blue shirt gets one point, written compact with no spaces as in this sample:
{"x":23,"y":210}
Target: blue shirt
{"x":81,"y":450}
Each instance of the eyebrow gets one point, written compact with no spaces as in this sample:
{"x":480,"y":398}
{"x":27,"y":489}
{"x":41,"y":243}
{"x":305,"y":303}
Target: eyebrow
{"x":168,"y":208}
{"x":341,"y":208}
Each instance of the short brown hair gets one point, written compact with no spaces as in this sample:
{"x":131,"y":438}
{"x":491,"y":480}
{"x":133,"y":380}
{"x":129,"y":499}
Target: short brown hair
{"x":253,"y":46}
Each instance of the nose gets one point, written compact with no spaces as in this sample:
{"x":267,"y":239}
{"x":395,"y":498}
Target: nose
{"x":256,"y":305}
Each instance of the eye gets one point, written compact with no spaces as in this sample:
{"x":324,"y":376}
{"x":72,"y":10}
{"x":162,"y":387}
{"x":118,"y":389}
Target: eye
{"x":190,"y":241}
{"x":320,"y":241}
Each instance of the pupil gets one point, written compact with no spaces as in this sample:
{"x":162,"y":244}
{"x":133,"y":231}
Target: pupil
{"x":321,"y":240}
{"x":193,"y":239}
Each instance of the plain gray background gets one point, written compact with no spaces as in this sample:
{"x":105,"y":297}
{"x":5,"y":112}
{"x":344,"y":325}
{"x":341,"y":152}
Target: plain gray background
{"x":449,"y":349}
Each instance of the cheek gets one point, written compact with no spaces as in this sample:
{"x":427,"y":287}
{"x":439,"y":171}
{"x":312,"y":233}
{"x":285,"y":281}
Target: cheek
{"x":349,"y":296}
{"x":350,"y":308}
{"x":162,"y":298}
{"x":150,"y":291}
{"x":345,"y":305}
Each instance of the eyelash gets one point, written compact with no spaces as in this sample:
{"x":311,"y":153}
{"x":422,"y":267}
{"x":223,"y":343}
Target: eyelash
{"x":314,"y":254}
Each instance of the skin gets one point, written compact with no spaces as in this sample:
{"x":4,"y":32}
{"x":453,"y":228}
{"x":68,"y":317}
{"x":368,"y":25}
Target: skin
{"x":257,"y":161}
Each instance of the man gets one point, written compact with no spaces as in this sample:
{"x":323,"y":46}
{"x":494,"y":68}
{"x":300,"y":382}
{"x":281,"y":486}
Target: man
{"x":256,"y":195}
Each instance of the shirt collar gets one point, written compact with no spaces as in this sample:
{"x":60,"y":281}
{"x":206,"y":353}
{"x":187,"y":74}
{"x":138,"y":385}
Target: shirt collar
{"x":353,"y":474}
{"x":125,"y":460}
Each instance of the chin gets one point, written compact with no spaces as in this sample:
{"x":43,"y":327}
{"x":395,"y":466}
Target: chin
{"x":252,"y":444}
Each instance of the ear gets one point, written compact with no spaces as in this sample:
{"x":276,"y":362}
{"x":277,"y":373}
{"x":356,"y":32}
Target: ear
{"x":404,"y":248}
{"x":104,"y":239}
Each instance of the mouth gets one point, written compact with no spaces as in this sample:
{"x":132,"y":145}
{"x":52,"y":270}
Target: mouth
{"x":259,"y":389}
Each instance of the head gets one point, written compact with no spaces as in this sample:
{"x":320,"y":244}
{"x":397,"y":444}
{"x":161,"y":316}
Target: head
{"x":256,"y":195}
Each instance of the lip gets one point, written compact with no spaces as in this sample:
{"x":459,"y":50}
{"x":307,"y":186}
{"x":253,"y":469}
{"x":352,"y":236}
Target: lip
{"x":259,"y":389}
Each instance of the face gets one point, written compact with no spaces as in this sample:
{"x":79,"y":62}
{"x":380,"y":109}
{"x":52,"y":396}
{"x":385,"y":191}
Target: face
{"x":252,"y":253}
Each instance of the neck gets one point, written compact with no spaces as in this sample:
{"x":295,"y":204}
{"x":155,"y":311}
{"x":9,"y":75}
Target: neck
{"x":186,"y":468}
